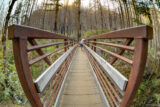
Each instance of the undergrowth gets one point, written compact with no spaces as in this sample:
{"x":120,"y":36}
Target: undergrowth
{"x":148,"y":94}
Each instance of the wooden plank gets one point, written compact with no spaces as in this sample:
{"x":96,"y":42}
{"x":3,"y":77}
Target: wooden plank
{"x":63,"y":83}
{"x":45,"y":77}
{"x":106,"y":102}
{"x":117,"y":77}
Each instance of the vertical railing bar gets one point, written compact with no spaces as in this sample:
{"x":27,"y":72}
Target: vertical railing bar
{"x":139,"y":61}
{"x":25,"y":77}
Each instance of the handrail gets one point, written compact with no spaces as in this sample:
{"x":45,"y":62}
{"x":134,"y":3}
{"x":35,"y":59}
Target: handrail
{"x":119,"y":90}
{"x":25,"y":32}
{"x":115,"y":94}
{"x":48,"y":74}
{"x":21,"y":35}
{"x":140,"y":32}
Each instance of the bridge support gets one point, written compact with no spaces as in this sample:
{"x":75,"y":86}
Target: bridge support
{"x":139,"y":61}
{"x":25,"y":77}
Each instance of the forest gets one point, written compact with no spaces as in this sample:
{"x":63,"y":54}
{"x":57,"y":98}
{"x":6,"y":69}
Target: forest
{"x":78,"y":19}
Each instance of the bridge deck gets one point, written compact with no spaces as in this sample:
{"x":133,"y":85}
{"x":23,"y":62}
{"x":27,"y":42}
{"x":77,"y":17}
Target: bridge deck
{"x":80,"y":89}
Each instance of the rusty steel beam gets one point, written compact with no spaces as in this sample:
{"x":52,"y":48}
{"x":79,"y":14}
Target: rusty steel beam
{"x":26,"y":32}
{"x":114,"y":45}
{"x":139,"y":62}
{"x":121,"y":51}
{"x":133,"y":32}
{"x":140,"y":35}
{"x":39,"y":51}
{"x":36,"y":47}
{"x":24,"y":74}
{"x":20,"y":35}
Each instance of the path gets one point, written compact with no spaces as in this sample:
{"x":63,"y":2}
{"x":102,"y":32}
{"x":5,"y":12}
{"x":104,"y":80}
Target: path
{"x":80,"y":89}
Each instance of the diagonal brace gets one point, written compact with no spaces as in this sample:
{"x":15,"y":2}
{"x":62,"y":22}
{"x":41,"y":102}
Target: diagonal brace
{"x":39,"y":51}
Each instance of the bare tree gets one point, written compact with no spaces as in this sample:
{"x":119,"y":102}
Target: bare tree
{"x":56,"y":14}
{"x":65,"y":14}
{"x":4,"y":31}
{"x":101,"y":13}
{"x":78,"y":6}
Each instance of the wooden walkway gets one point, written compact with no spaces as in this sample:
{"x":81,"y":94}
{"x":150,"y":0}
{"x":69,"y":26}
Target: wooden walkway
{"x":80,"y":89}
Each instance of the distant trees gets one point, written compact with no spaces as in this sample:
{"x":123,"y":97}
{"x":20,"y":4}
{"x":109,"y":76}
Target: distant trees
{"x":79,"y":20}
{"x":54,"y":5}
{"x":109,"y":14}
{"x":75,"y":19}
{"x":72,"y":20}
{"x":64,"y":27}
{"x":4,"y":84}
{"x":100,"y":8}
{"x":16,"y":14}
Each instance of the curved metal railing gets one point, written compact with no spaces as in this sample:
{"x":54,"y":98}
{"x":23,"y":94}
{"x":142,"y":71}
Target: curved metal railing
{"x":104,"y":51}
{"x":41,"y":91}
{"x":119,"y":88}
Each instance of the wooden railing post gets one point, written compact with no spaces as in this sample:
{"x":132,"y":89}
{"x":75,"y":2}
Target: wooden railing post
{"x":94,"y":45}
{"x":65,"y":44}
{"x":71,"y":42}
{"x":88,"y":43}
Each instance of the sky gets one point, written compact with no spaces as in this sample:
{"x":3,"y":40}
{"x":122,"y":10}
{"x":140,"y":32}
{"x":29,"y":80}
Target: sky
{"x":85,"y":3}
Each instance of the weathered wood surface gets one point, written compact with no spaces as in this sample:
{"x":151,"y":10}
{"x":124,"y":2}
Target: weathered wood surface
{"x":116,"y":76}
{"x":45,"y":77}
{"x":80,"y":89}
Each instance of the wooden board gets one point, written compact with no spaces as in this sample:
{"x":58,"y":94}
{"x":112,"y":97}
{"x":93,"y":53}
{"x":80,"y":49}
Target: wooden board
{"x":45,"y":77}
{"x":117,"y":77}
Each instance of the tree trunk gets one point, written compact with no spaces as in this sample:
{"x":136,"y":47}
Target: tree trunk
{"x":34,"y":3}
{"x":65,"y":15}
{"x":79,"y":21}
{"x":56,"y":15}
{"x":26,"y":13}
{"x":44,"y":14}
{"x":4,"y":32}
{"x":101,"y":12}
{"x":126,"y":12}
{"x":122,"y":14}
{"x":109,"y":15}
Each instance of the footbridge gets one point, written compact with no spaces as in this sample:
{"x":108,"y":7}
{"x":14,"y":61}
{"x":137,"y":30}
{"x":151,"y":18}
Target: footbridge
{"x":106,"y":72}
